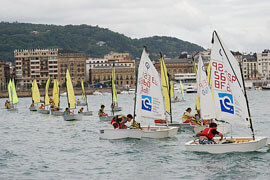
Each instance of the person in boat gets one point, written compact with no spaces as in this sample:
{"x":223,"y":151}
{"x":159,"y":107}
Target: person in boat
{"x":78,"y":101}
{"x":186,"y":117}
{"x":101,"y":112}
{"x":176,"y":98}
{"x":80,"y":111}
{"x":32,"y":105}
{"x":41,"y":106}
{"x":52,"y":105}
{"x":67,"y":111}
{"x":51,"y":100}
{"x":196,"y":119}
{"x":119,"y":121}
{"x":208,"y":134}
{"x":7,"y":104}
{"x":133,"y":123}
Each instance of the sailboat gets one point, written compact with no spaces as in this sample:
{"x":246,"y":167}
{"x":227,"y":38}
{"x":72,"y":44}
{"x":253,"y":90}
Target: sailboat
{"x":35,"y":96}
{"x":71,"y":100}
{"x":114,"y":105}
{"x":83,"y":103}
{"x":46,"y":99}
{"x":230,"y":101}
{"x":175,"y":99}
{"x":150,"y":103}
{"x":13,"y":98}
{"x":84,"y":97}
{"x":149,"y":106}
{"x":56,"y":111}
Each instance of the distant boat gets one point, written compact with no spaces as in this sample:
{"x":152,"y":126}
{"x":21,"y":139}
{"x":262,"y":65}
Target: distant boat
{"x":267,"y":87}
{"x":71,"y":100}
{"x":114,"y":105}
{"x":64,"y":94}
{"x":85,"y":103}
{"x":46,"y":99}
{"x":97,"y":93}
{"x":35,"y":96}
{"x":131,"y":91}
{"x":191,"y":89}
{"x":13,"y":98}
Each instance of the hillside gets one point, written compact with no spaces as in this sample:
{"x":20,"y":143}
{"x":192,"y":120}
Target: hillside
{"x":92,"y":40}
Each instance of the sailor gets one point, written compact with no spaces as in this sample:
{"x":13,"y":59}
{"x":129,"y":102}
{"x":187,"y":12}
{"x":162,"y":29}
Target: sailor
{"x":133,"y":123}
{"x":80,"y":111}
{"x":67,"y":111}
{"x":7,"y":104}
{"x":186,"y":117}
{"x":78,"y":101}
{"x":119,"y":121}
{"x":176,"y":98}
{"x":196,"y":119}
{"x":32,"y":105}
{"x":101,"y":112}
{"x":41,"y":106}
{"x":207,"y":135}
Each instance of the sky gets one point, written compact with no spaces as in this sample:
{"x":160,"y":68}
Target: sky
{"x":243,"y":25}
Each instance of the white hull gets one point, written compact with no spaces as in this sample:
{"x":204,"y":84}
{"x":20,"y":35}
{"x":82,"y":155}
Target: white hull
{"x":87,"y":113}
{"x":120,"y":133}
{"x":124,"y":92}
{"x":44,"y":111}
{"x":181,"y":126}
{"x":223,"y":128}
{"x":243,"y":144}
{"x":57,"y":113}
{"x":72,"y":117}
{"x":105,"y":118}
{"x":117,"y":109}
{"x":34,"y":108}
{"x":176,"y":101}
{"x":159,"y":132}
{"x":97,"y":93}
{"x":81,"y":104}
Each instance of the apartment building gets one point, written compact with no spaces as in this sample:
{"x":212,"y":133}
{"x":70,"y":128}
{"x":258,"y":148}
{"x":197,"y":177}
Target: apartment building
{"x":75,"y":62}
{"x":36,"y":64}
{"x":263,"y":60}
{"x":4,"y":75}
{"x":249,"y":66}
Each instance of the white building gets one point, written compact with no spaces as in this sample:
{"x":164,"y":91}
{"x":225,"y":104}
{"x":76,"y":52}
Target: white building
{"x":250,"y":67}
{"x":264,"y":64}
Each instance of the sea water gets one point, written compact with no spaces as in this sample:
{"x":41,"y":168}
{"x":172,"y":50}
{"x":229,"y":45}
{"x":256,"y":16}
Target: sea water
{"x":38,"y":146}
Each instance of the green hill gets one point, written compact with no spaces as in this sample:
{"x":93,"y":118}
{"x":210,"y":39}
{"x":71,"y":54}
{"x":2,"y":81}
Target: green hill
{"x":92,"y":40}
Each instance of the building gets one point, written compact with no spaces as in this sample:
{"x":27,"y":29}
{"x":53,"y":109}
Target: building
{"x":39,"y":64}
{"x":263,"y":60}
{"x":4,"y":75}
{"x":100,"y":69}
{"x":249,"y":66}
{"x":176,"y":66}
{"x":75,"y":62}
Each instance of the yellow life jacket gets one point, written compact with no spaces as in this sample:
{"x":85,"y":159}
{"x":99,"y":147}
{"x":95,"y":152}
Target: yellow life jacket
{"x":184,"y":116}
{"x":134,"y":125}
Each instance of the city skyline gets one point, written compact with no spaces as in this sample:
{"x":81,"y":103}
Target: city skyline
{"x":242,"y":24}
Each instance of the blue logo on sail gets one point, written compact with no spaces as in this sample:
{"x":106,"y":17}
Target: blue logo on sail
{"x":226,"y":102}
{"x":146,"y":103}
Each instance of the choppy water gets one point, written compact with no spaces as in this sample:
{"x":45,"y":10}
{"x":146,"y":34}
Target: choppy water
{"x":36,"y":146}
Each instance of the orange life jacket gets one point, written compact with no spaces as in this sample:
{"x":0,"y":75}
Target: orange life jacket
{"x":208,"y":133}
{"x":115,"y":124}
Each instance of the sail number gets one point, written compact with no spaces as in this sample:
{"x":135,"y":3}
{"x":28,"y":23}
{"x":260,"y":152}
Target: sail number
{"x":145,"y":81}
{"x":222,"y":78}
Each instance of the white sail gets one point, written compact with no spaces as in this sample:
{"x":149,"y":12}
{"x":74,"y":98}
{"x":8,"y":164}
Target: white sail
{"x":228,"y":87}
{"x":207,"y":107}
{"x":149,"y":98}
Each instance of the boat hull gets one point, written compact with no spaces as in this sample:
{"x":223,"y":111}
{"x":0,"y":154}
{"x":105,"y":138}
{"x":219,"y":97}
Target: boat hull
{"x":87,"y":113}
{"x":72,"y":117}
{"x":105,"y":118}
{"x":158,"y":132}
{"x":57,"y":113}
{"x":82,"y":104}
{"x":44,"y":111}
{"x":34,"y":108}
{"x":116,"y":109}
{"x":241,"y":144}
{"x":120,"y":133}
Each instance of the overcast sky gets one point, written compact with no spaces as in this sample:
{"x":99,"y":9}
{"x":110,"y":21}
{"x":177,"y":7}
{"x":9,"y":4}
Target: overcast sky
{"x":243,"y":25}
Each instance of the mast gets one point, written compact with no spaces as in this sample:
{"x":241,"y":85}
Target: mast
{"x":112,"y":82}
{"x":243,"y":84}
{"x":170,"y":96}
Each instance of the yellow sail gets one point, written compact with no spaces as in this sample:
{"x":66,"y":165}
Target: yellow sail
{"x":114,"y":92}
{"x":56,"y":93}
{"x":70,"y":91}
{"x":197,"y":95}
{"x":35,"y":92}
{"x":172,"y":90}
{"x":165,"y":85}
{"x":47,"y":99}
{"x":83,"y":92}
{"x":182,"y":89}
{"x":14,"y":94}
{"x":10,"y":90}
{"x":209,"y":78}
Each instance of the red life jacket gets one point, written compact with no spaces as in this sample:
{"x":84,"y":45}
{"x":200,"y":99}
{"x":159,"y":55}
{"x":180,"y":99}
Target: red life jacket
{"x":208,"y":133}
{"x":115,"y":124}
